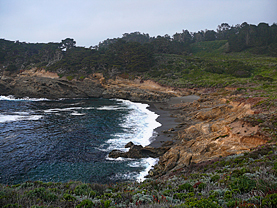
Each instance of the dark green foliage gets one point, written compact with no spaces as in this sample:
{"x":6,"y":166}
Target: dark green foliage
{"x":42,"y":193}
{"x":85,"y":204}
{"x":202,"y":186}
{"x":270,"y":200}
{"x":11,"y":68}
{"x":185,"y":186}
{"x":107,"y":203}
{"x":180,"y":196}
{"x":243,"y":183}
{"x":69,"y":78}
{"x":12,"y":206}
{"x":69,"y":197}
{"x":83,"y":189}
{"x":215,"y":178}
{"x":261,"y":39}
{"x":202,"y":203}
{"x":233,"y":67}
{"x":239,"y":172}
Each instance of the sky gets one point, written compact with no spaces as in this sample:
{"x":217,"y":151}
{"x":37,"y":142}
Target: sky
{"x":89,"y":22}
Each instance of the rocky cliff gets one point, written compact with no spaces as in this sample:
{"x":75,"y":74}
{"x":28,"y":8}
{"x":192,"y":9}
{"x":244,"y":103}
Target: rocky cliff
{"x":213,"y":127}
{"x":40,"y":83}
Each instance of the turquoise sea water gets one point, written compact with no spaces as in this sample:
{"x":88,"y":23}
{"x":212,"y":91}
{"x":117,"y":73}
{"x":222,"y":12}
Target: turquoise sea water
{"x":69,"y":139}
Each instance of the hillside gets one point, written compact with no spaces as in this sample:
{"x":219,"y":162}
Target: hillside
{"x":224,"y":152}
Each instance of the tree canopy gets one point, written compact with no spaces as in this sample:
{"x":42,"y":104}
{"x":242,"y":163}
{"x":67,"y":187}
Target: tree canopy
{"x":134,"y":52}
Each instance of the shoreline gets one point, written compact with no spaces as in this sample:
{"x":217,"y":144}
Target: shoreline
{"x":167,"y":121}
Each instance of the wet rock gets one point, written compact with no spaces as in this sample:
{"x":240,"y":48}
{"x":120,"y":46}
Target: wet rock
{"x":129,"y":144}
{"x":167,"y":143}
{"x":116,"y":154}
{"x":138,"y":151}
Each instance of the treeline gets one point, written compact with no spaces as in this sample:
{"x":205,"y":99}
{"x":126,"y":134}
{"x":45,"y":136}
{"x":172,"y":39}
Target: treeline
{"x":134,"y":52}
{"x":261,"y":38}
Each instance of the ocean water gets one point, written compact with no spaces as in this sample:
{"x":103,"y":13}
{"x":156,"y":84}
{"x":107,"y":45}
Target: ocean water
{"x":69,"y":139}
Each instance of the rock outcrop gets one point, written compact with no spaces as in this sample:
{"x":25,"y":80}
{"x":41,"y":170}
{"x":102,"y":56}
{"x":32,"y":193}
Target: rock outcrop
{"x":41,"y":83}
{"x":137,"y":90}
{"x":50,"y":88}
{"x":211,"y":128}
{"x":138,"y":151}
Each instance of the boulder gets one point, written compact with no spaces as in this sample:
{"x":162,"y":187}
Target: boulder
{"x":138,"y":151}
{"x":129,"y":144}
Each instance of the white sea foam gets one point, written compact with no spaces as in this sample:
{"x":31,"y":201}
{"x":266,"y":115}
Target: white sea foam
{"x":75,"y":113}
{"x":147,"y":163}
{"x":138,"y":126}
{"x":12,"y":98}
{"x":111,"y":107}
{"x":12,"y":118}
{"x":56,"y":110}
{"x":119,"y":159}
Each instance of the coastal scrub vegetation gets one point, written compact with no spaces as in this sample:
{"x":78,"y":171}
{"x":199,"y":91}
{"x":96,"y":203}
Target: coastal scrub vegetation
{"x":245,"y":180}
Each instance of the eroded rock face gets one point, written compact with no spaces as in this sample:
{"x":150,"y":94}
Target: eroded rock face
{"x":53,"y":88}
{"x":40,"y":83}
{"x":211,"y":129}
{"x":137,"y":90}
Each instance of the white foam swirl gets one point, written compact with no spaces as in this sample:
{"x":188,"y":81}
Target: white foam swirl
{"x":12,"y":118}
{"x":12,"y":98}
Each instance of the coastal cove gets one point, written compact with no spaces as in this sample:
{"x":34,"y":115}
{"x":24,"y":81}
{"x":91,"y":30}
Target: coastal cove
{"x":69,"y":139}
{"x":138,"y":121}
{"x":44,"y":124}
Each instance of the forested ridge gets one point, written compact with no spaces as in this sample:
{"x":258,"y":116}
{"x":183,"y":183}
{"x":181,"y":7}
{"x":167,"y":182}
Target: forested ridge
{"x":138,"y":53}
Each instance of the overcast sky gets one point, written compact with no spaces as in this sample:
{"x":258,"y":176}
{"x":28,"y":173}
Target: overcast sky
{"x":92,"y":21}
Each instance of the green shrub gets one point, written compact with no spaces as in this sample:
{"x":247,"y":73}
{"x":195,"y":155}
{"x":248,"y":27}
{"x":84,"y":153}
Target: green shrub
{"x":243,"y":183}
{"x":270,"y":200}
{"x":92,"y":193}
{"x":69,"y":78}
{"x":81,"y":78}
{"x":239,"y":172}
{"x":202,"y":203}
{"x":201,"y":186}
{"x":180,"y":196}
{"x":85,"y":204}
{"x":228,"y":195}
{"x":275,"y":166}
{"x":69,"y":197}
{"x":83,"y":189}
{"x":215,"y":178}
{"x":12,"y":206}
{"x":107,"y":203}
{"x":167,"y":192}
{"x":43,"y":194}
{"x":185,"y":186}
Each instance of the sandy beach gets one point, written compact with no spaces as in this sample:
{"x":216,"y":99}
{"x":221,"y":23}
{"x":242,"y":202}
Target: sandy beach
{"x":166,"y":119}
